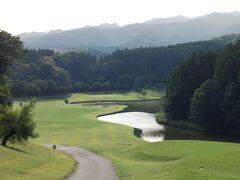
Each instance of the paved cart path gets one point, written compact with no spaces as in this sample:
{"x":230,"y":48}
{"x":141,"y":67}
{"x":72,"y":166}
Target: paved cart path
{"x":89,"y":165}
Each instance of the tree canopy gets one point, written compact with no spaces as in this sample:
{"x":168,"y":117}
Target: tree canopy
{"x":15,"y":125}
{"x":205,"y":90}
{"x":46,"y":72}
{"x":11,"y":49}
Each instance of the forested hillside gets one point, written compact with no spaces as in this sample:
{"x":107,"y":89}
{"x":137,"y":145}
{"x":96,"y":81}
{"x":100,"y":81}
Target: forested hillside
{"x":46,"y":72}
{"x":205,"y":90}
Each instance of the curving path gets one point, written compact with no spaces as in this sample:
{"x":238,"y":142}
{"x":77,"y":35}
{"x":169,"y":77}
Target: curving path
{"x":89,"y":165}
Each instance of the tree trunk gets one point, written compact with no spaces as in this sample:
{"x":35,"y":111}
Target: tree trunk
{"x":5,"y":139}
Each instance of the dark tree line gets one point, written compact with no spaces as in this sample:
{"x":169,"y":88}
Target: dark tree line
{"x":45,"y":72}
{"x":205,"y":90}
{"x":149,"y":67}
{"x":39,"y":75}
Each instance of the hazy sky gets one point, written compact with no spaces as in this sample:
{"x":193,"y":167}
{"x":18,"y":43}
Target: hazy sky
{"x":17,"y":16}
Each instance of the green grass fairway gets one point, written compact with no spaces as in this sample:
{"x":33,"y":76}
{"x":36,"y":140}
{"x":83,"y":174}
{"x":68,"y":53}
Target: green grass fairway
{"x":121,"y":96}
{"x":133,"y":158}
{"x":32,"y":162}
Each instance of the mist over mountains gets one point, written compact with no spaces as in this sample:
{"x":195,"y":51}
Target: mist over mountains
{"x":155,"y":32}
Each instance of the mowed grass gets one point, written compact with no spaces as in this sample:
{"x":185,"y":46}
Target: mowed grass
{"x":133,"y":158}
{"x":120,"y":96}
{"x":33,"y":162}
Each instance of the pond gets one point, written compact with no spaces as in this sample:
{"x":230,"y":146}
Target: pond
{"x":140,"y":116}
{"x":144,"y":124}
{"x":168,"y":132}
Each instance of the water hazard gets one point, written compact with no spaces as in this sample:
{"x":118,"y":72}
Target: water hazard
{"x":145,"y":122}
{"x":140,"y":116}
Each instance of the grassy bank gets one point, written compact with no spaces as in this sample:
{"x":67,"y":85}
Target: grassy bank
{"x":121,"y":96}
{"x":133,"y":158}
{"x":33,"y":162}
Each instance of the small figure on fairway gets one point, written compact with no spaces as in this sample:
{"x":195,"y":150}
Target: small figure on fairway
{"x":54,"y":147}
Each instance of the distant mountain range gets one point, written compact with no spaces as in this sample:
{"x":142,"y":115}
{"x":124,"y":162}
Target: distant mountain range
{"x":155,"y":32}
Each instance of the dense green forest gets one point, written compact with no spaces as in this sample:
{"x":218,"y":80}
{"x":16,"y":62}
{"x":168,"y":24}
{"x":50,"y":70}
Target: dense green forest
{"x":205,"y":90}
{"x":45,"y":72}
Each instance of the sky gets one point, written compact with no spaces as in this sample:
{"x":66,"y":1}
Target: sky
{"x":17,"y":16}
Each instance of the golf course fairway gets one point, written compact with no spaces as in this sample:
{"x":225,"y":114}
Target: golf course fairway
{"x":133,"y":158}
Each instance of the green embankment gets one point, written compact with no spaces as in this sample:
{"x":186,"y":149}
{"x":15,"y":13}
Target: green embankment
{"x":121,"y":96}
{"x":33,"y":162}
{"x":133,"y":158}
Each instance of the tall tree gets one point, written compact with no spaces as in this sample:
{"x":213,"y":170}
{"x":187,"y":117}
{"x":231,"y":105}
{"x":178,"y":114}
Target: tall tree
{"x":215,"y":105}
{"x":15,"y":125}
{"x":11,"y":49}
{"x":206,"y":107}
{"x":184,"y":80}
